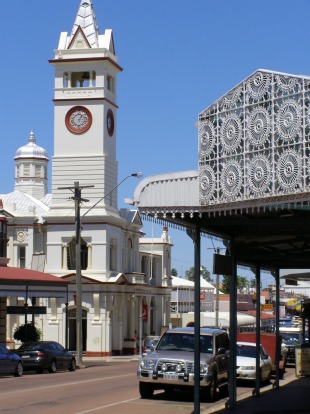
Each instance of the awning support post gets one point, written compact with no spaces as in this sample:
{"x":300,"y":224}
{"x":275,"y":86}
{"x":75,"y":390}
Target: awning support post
{"x":278,"y":342}
{"x":197,"y":322}
{"x":232,"y":331}
{"x":257,"y":380}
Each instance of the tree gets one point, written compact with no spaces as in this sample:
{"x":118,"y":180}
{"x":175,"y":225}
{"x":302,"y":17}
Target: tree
{"x":174,"y":272}
{"x":27,"y":332}
{"x":252,"y":283}
{"x":242,"y":283}
{"x":225,"y":285}
{"x":190,"y":274}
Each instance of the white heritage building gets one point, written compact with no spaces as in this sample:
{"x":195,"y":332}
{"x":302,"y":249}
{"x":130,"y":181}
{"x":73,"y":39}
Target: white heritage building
{"x":125,"y":278}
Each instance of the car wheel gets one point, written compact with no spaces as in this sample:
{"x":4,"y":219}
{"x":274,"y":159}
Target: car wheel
{"x":53,"y":367}
{"x":146,"y":390}
{"x":211,"y":390}
{"x":19,"y":370}
{"x":72,"y":366}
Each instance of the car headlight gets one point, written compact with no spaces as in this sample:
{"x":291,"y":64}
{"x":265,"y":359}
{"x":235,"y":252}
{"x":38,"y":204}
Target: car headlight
{"x":203,"y":368}
{"x":248,"y":368}
{"x":179,"y":368}
{"x":164,"y":367}
{"x":147,"y":363}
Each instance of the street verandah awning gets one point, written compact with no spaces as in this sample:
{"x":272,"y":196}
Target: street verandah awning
{"x":252,"y":189}
{"x":30,"y":283}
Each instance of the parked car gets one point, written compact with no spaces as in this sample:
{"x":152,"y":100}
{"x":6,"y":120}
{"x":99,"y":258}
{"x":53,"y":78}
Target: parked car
{"x":10,"y":363}
{"x":246,"y":362}
{"x":269,"y":341}
{"x":170,"y":365}
{"x":45,"y":355}
{"x":291,"y":338}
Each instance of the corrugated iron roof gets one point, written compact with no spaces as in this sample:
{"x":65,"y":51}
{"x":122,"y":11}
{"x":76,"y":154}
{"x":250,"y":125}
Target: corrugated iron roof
{"x":16,"y":274}
{"x":17,"y":203}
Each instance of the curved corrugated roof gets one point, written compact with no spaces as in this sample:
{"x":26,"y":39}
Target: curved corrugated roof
{"x":31,"y":150}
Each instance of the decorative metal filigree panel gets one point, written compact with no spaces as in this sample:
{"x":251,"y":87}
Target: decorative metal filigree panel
{"x":254,"y":141}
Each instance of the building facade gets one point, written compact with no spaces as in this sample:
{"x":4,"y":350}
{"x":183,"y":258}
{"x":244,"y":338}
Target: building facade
{"x":125,"y":278}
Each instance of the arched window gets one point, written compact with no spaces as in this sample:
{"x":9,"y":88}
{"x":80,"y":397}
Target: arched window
{"x":72,"y":255}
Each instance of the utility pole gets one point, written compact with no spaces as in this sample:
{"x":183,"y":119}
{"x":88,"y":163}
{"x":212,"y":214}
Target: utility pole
{"x":78,"y":200}
{"x":79,"y":320}
{"x":78,"y":279}
{"x":217,"y":296}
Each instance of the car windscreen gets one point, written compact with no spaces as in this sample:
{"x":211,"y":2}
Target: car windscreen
{"x":172,"y":341}
{"x":293,"y":338}
{"x":246,"y":351}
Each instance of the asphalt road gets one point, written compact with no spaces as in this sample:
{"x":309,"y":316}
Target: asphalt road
{"x":103,"y":387}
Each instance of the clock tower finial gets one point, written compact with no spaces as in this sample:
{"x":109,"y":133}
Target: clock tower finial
{"x":86,"y":20}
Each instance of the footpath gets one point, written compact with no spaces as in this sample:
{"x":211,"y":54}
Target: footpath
{"x":292,"y":397}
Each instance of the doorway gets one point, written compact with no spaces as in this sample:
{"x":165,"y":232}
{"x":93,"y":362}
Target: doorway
{"x":72,"y":329}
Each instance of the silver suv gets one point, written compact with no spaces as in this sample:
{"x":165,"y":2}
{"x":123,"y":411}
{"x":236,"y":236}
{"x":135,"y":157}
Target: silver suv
{"x":171,"y":364}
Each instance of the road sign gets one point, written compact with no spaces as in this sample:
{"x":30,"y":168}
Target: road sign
{"x":31,"y":310}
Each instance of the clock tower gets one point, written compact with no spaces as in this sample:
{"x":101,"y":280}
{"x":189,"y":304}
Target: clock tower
{"x":85,"y":113}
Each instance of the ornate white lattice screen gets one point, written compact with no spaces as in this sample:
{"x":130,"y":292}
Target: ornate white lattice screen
{"x":254,"y":142}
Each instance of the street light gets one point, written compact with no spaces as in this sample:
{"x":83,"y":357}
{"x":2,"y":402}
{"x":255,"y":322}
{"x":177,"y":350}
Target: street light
{"x":78,"y":199}
{"x":138,"y":175}
{"x":3,"y":231}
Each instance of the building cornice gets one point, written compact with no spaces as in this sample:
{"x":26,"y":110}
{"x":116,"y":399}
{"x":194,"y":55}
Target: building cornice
{"x":90,"y":59}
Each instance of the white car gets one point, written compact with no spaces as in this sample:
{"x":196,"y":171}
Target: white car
{"x":246,"y":362}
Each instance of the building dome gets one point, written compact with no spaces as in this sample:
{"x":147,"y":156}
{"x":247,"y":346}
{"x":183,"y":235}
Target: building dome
{"x":31,"y":150}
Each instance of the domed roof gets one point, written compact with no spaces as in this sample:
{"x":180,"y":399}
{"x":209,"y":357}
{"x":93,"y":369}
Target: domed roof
{"x":31,"y":150}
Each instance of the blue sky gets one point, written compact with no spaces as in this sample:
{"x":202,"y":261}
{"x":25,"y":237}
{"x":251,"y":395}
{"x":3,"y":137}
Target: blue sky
{"x":178,"y":58}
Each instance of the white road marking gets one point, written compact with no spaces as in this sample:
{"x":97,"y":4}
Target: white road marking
{"x":65,"y":384}
{"x":107,"y":406}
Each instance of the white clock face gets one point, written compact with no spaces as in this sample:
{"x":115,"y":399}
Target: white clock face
{"x":78,"y":119}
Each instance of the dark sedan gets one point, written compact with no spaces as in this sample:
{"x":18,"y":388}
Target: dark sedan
{"x":46,"y":355}
{"x":10,"y":363}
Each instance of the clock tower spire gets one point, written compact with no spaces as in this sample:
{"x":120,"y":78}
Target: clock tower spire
{"x":85,"y":112}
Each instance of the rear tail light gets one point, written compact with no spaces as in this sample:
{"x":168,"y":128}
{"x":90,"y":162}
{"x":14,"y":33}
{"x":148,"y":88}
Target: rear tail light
{"x":41,"y":354}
